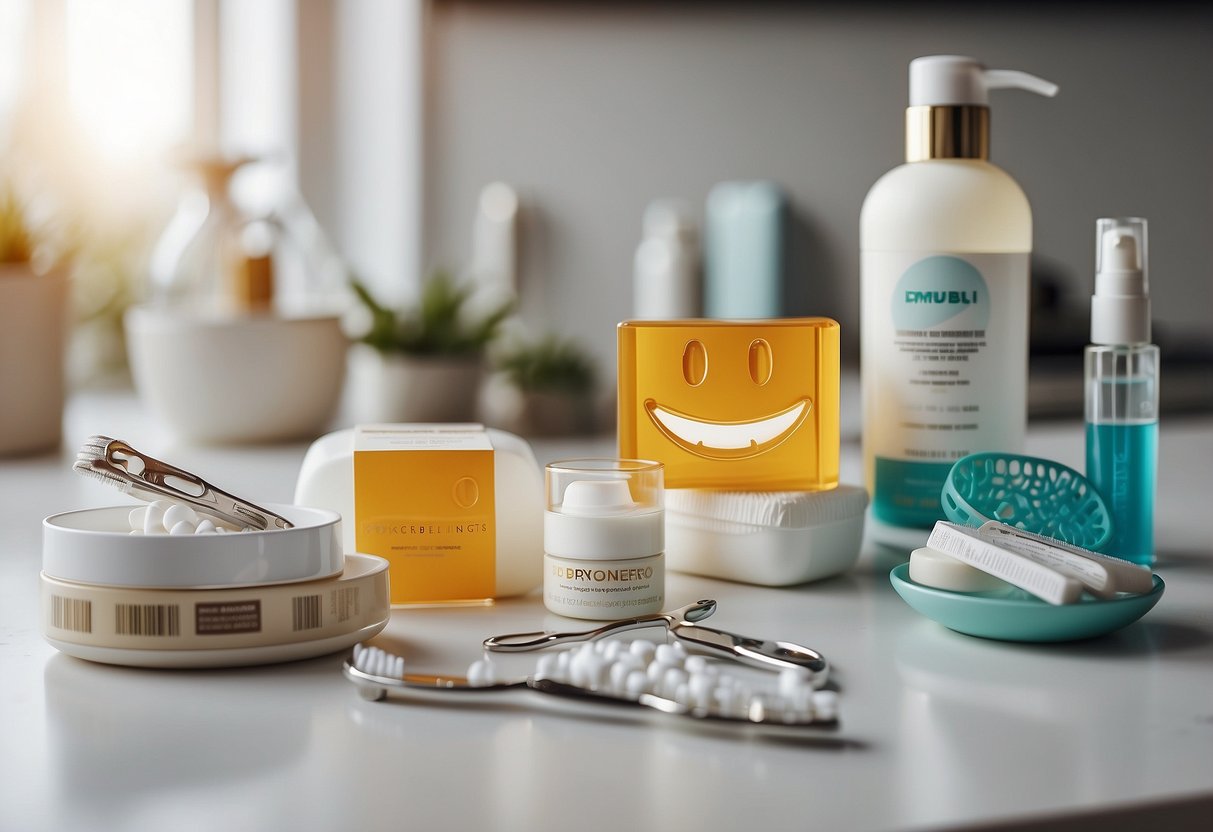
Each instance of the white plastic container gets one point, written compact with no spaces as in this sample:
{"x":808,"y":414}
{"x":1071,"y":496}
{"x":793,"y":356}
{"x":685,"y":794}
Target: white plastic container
{"x":945,"y":242}
{"x":777,"y":538}
{"x":604,"y":538}
{"x":327,"y":480}
{"x":210,"y":600}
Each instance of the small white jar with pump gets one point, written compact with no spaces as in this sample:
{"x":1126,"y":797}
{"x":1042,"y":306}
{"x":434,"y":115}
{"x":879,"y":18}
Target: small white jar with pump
{"x":604,"y":538}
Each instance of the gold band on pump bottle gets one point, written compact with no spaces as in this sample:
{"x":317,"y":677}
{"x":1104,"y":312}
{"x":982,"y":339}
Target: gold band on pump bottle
{"x":953,"y":132}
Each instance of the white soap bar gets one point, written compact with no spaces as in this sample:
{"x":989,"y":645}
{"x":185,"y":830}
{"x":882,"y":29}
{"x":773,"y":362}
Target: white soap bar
{"x":967,"y":545}
{"x":933,"y":568}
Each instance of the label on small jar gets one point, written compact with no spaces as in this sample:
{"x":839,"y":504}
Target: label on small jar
{"x":601,"y":589}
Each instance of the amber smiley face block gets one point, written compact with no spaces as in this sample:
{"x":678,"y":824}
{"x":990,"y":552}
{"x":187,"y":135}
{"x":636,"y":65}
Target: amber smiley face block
{"x":739,"y":405}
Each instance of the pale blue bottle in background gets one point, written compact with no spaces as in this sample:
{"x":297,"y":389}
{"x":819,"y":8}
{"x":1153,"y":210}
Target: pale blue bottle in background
{"x":1122,"y":389}
{"x":744,"y":251}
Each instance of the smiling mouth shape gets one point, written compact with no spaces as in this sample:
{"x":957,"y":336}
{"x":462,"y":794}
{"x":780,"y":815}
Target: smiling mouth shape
{"x":728,"y":440}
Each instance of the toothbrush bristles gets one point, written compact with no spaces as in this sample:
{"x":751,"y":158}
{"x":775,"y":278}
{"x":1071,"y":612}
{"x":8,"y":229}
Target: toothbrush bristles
{"x":88,"y":469}
{"x":376,"y":662}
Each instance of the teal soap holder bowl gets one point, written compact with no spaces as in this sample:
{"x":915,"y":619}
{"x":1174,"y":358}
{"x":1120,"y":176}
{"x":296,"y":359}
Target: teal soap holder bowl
{"x":1021,"y":617}
{"x":1036,"y":495}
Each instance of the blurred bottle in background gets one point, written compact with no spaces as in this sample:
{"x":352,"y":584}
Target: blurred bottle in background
{"x":667,"y":283}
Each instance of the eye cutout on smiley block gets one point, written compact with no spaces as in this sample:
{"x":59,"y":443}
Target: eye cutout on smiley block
{"x":732,"y":405}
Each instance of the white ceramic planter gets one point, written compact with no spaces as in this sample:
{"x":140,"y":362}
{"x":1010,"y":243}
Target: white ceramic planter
{"x":390,"y":387}
{"x":33,"y":327}
{"x":216,"y":379}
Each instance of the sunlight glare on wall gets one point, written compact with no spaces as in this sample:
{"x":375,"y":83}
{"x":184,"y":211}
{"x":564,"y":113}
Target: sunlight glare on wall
{"x":130,"y":73}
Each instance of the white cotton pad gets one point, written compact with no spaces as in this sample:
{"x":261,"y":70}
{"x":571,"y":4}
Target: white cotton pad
{"x":772,"y":538}
{"x":933,"y":568}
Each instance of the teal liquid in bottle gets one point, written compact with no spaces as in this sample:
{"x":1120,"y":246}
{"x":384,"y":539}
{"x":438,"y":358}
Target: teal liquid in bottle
{"x":1122,"y":461}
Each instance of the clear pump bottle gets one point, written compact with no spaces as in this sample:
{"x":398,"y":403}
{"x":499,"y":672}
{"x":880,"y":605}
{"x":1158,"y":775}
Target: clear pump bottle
{"x":1121,"y":382}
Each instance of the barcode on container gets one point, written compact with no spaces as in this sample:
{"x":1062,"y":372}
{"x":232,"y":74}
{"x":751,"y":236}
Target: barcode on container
{"x":147,"y":619}
{"x":305,"y":612}
{"x":75,"y":614}
{"x":345,"y":603}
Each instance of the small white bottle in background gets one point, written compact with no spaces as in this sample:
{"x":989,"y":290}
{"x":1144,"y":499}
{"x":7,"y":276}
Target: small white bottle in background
{"x":666,"y":279}
{"x":494,"y":262}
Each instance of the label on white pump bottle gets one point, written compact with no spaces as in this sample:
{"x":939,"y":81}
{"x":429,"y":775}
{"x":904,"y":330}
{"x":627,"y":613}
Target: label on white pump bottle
{"x":945,"y":371}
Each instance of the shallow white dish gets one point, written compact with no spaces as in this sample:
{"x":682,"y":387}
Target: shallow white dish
{"x":772,"y":539}
{"x":223,"y":627}
{"x":94,"y":546}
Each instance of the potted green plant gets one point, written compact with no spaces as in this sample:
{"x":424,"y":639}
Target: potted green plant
{"x":33,"y":330}
{"x":554,"y":380}
{"x":424,"y":364}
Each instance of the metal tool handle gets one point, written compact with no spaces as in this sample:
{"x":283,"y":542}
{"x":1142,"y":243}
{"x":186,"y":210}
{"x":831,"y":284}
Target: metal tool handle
{"x":155,"y":478}
{"x":524,"y":642}
{"x":768,"y":655}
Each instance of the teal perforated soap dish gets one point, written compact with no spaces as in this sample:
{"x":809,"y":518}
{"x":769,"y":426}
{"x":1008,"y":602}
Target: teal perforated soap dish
{"x":1037,"y":495}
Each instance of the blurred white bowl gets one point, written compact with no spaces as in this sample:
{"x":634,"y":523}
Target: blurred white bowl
{"x":237,"y":379}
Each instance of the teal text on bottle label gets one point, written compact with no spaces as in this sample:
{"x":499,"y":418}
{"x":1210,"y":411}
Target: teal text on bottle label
{"x":937,"y":289}
{"x":908,"y":493}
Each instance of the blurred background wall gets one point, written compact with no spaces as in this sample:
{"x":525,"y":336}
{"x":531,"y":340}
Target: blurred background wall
{"x":591,"y":110}
{"x":390,"y":116}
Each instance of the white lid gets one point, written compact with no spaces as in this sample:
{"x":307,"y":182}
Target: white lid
{"x":956,"y":80}
{"x":1120,"y":306}
{"x":94,"y":546}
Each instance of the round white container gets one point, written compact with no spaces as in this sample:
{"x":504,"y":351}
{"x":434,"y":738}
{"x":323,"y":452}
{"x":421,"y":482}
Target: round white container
{"x":604,"y":538}
{"x":94,"y":546}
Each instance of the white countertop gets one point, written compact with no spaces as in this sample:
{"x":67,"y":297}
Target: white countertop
{"x":939,"y":729}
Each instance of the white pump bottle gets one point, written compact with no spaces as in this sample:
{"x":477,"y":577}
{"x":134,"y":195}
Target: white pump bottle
{"x":945,"y":241}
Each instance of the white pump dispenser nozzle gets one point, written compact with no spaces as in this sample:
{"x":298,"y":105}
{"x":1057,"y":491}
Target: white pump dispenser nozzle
{"x":955,"y":81}
{"x":1120,"y":307}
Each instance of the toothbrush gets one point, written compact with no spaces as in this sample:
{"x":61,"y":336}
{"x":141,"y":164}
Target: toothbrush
{"x":637,"y":676}
{"x":682,"y":624}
